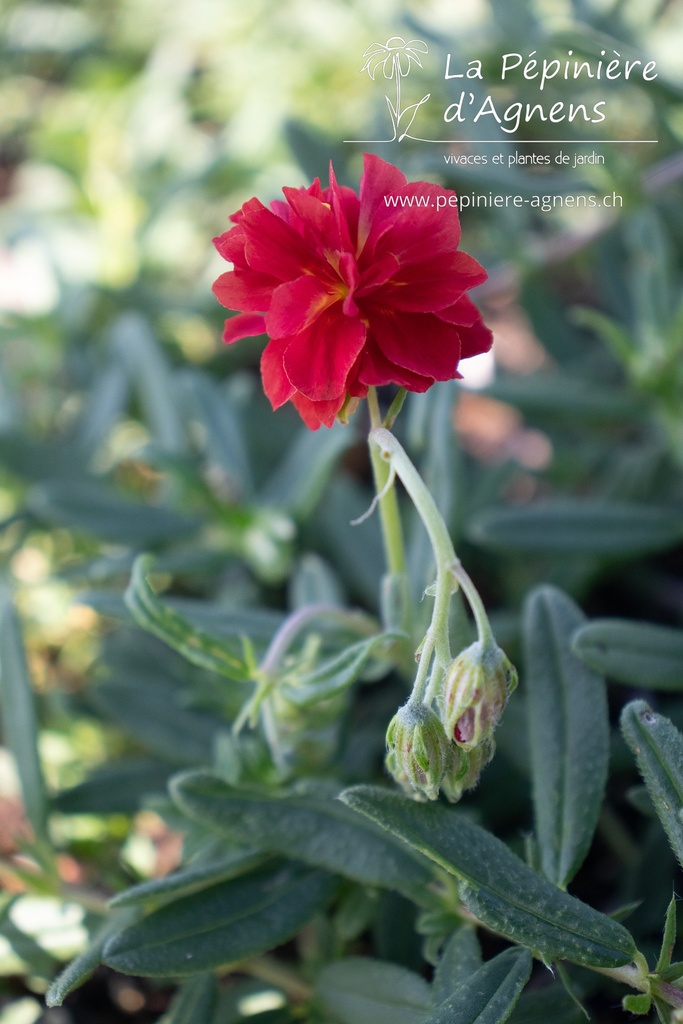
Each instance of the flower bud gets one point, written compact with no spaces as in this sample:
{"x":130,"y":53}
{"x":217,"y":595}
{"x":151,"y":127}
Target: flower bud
{"x":419,"y":751}
{"x":476,"y":689}
{"x":466,"y":768}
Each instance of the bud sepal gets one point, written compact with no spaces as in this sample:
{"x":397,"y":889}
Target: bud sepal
{"x":476,"y":688}
{"x":419,"y":753}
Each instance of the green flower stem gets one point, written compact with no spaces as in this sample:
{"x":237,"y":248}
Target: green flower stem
{"x":449,"y":570}
{"x":392,"y":532}
{"x":638,"y":976}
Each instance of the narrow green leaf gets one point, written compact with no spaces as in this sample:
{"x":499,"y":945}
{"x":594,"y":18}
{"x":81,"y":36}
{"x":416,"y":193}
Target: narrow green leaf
{"x":636,"y":653}
{"x":188,"y":880}
{"x":490,"y":994}
{"x":496,"y":885}
{"x":573,"y":526}
{"x":225,"y":442}
{"x":82,"y":966}
{"x":301,"y":478}
{"x":668,"y":939}
{"x":37,"y":461}
{"x":194,"y":1002}
{"x":117,"y":787}
{"x":541,"y":1006}
{"x":20,"y":722}
{"x":562,"y":396}
{"x":569,"y":734}
{"x":259,"y":624}
{"x":199,"y":647}
{"x":460,"y":959}
{"x":151,"y":375}
{"x":222,"y":924}
{"x":106,"y":402}
{"x":97,"y":509}
{"x":359,"y":990}
{"x":335,"y":674}
{"x":152,"y":709}
{"x":658,"y":747}
{"x":306,"y":823}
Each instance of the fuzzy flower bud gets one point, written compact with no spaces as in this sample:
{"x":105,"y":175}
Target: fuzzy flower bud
{"x":466,"y":767}
{"x":419,"y":751}
{"x":477,"y":686}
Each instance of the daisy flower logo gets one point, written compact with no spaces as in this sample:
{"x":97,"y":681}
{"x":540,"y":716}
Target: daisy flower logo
{"x":395,"y":58}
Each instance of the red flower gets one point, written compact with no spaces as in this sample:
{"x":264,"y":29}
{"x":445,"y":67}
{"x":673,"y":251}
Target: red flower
{"x":353,"y":291}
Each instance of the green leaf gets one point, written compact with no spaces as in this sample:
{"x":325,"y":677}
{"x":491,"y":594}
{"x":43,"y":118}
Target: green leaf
{"x":222,"y":924}
{"x":307,"y":823}
{"x":259,"y":624}
{"x":151,"y":708}
{"x":118,"y":787}
{"x":302,"y":476}
{"x":560,"y":395}
{"x":194,"y":1002}
{"x":569,"y":734}
{"x":188,"y":880}
{"x":225,"y":441}
{"x":490,"y":994}
{"x":199,"y":647}
{"x":105,"y":403}
{"x":20,"y":722}
{"x":336,"y":674}
{"x":460,"y":959}
{"x":496,"y":885}
{"x":82,"y":966}
{"x":636,"y":653}
{"x":573,"y":526}
{"x":39,"y":460}
{"x":668,"y":939}
{"x":151,"y":375}
{"x":97,"y":509}
{"x":359,"y":990}
{"x":541,"y":1006}
{"x":658,"y":747}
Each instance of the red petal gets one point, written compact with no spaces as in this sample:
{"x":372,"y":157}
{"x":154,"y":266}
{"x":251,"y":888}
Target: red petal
{"x":378,"y":180}
{"x":376,"y":370}
{"x":276,"y":384}
{"x":475,"y":337}
{"x":317,"y":414}
{"x":244,"y":290}
{"x":474,"y":340}
{"x":274,"y":247}
{"x":430,"y":285}
{"x":319,"y":359}
{"x":419,"y":342}
{"x":416,"y":230}
{"x":244,"y":325}
{"x":314,"y":219}
{"x":463,"y":312}
{"x":295,"y":305}
{"x":231,"y":246}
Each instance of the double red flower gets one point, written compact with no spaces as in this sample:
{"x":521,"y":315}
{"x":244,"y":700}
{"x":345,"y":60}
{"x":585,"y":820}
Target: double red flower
{"x":352,"y":290}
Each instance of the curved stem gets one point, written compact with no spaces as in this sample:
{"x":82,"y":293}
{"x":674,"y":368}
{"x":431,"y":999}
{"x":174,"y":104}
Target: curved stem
{"x":357,"y":622}
{"x":391,"y":451}
{"x":392,"y":533}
